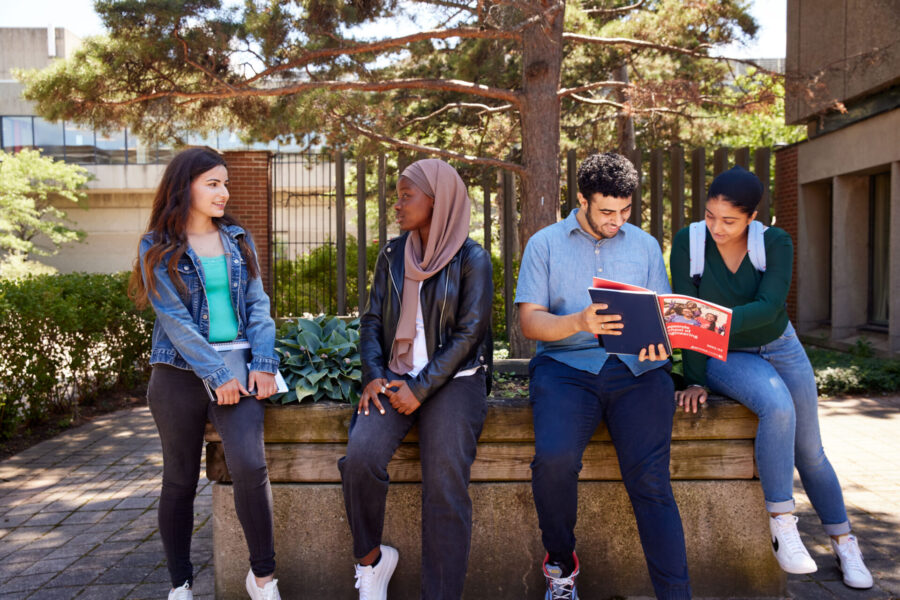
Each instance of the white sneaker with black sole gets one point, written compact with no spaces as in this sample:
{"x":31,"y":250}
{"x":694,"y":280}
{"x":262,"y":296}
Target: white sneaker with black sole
{"x":372,"y":582}
{"x":182,"y":593}
{"x":789,"y":550}
{"x":268,"y":592}
{"x":850,"y":562}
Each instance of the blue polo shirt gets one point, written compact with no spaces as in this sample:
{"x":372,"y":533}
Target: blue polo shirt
{"x":558,"y":267}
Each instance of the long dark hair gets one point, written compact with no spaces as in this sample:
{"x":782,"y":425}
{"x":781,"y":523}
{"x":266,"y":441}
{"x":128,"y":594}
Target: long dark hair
{"x":168,"y":219}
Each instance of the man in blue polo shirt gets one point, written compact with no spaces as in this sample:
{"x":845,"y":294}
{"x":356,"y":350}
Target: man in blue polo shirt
{"x":575,"y":384}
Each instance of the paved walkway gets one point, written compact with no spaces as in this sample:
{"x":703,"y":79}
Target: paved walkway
{"x":78,"y":512}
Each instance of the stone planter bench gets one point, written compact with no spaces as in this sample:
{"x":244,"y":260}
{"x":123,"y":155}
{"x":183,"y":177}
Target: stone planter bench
{"x":712,"y":468}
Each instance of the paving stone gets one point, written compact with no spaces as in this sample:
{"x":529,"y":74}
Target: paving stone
{"x":142,"y":502}
{"x":47,"y":518}
{"x":127,"y":574}
{"x":76,"y":577}
{"x":25,"y":584}
{"x":106,"y":592}
{"x":56,"y":593}
{"x":48,"y":566}
{"x":84,"y":516}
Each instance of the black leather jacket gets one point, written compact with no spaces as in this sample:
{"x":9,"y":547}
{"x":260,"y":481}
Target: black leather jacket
{"x":456,"y":309}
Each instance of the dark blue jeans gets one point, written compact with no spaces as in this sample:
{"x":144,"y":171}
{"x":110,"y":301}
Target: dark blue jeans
{"x":449,"y":422}
{"x":568,"y":404}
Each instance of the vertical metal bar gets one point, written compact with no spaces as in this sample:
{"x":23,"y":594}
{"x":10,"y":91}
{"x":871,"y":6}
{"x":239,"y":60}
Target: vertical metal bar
{"x":382,"y":201}
{"x":486,"y":188}
{"x":636,"y":208}
{"x":761,"y":167}
{"x":361,"y":233}
{"x":698,"y":183}
{"x":720,"y":161}
{"x":341,"y":226}
{"x":509,"y":217}
{"x":270,"y":206}
{"x":676,"y":188}
{"x":742,"y":157}
{"x":656,"y":194}
{"x":571,"y":182}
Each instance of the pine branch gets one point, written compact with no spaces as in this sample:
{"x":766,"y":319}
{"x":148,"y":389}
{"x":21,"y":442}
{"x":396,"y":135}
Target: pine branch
{"x":444,"y":85}
{"x":485,"y":109}
{"x":591,"y":86}
{"x":614,"y":11}
{"x":476,"y":160}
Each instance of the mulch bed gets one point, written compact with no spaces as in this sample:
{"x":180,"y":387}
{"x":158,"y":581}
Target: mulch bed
{"x":56,"y":424}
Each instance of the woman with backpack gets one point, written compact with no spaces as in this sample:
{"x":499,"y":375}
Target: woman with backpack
{"x":198,"y":269}
{"x":747,"y":268}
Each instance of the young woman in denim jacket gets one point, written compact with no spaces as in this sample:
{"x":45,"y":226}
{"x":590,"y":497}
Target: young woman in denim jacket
{"x":198,"y":269}
{"x":767,"y":370}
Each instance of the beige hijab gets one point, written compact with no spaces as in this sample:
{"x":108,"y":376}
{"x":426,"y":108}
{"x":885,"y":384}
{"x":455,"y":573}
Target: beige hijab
{"x":449,"y":230}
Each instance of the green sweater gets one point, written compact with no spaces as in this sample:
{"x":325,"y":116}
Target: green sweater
{"x":757,"y":299}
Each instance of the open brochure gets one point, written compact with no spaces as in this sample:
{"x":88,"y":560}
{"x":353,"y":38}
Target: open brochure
{"x":674,"y":320}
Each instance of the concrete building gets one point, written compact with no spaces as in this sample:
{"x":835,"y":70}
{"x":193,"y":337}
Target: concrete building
{"x":839,"y":191}
{"x":126,"y":171}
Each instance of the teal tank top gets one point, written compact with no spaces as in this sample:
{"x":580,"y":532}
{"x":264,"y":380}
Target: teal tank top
{"x":223,"y":325}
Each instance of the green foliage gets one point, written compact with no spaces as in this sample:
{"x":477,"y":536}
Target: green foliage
{"x":308,"y":285}
{"x":855,"y":372}
{"x":29,"y":223}
{"x":63,"y":339}
{"x":320,"y":360}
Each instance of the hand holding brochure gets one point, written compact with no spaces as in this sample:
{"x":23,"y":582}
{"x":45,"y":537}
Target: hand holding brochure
{"x":673,"y":320}
{"x":237,"y":358}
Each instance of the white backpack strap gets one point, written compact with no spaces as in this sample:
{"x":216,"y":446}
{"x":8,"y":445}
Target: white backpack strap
{"x":698,"y":249}
{"x":756,"y":246}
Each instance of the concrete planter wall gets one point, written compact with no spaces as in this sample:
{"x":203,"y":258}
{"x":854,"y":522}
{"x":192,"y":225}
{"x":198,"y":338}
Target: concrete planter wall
{"x":712,"y":467}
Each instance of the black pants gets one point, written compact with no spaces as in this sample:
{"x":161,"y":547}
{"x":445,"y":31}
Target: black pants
{"x":180,"y":406}
{"x":449,"y":422}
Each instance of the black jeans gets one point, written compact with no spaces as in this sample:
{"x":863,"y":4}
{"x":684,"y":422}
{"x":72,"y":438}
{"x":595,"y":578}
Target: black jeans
{"x":567,"y":406}
{"x":180,"y":406}
{"x":449,"y":422}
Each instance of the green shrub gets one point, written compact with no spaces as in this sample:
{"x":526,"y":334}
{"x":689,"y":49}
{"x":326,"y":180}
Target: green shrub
{"x":854,"y":372}
{"x":64,"y":338}
{"x":308,"y":285}
{"x":320,"y":360}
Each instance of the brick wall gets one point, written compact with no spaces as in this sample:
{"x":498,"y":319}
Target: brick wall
{"x":786,"y":197}
{"x":248,"y":172}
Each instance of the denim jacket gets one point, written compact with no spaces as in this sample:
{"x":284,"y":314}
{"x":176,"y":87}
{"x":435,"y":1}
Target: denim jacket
{"x":181,"y":331}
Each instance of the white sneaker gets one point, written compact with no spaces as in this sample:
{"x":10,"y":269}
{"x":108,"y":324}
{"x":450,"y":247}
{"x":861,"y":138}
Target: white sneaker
{"x":789,"y":550}
{"x":270,"y":592}
{"x":372,"y":582}
{"x":850,"y":562}
{"x":182,"y":593}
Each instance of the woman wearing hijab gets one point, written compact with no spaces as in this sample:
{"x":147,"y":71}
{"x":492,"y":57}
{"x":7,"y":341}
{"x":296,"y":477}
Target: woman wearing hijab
{"x":767,"y":369}
{"x":426,"y":350}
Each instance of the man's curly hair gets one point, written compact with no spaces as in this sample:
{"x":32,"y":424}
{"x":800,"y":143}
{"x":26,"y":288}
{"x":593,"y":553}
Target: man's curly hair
{"x":608,"y":174}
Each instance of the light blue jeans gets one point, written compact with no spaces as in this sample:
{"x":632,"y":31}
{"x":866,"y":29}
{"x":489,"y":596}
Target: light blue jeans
{"x":777,"y":383}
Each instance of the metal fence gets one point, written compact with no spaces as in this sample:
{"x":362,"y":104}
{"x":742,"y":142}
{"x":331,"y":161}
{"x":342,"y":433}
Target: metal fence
{"x":314,"y":260}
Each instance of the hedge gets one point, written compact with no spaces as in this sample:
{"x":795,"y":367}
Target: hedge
{"x":63,"y":339}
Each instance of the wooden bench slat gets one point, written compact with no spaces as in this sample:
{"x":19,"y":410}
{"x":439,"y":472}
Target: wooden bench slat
{"x":317,"y":463}
{"x":507,"y":421}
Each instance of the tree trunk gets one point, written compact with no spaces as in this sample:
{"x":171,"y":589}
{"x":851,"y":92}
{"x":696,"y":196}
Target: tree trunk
{"x":539,"y":205}
{"x":624,"y":122}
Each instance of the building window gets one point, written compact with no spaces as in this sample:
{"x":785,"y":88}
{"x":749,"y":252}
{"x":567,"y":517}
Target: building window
{"x":49,"y":138}
{"x":17,"y":133}
{"x":879,"y":236}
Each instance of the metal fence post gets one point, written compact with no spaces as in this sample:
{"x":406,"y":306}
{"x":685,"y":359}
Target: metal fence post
{"x":636,"y":207}
{"x":382,"y":201}
{"x":486,"y":189}
{"x":509,"y":221}
{"x":341,"y":230}
{"x":571,"y":182}
{"x":656,"y":194}
{"x":361,"y":233}
{"x":698,"y":183}
{"x":676,"y":187}
{"x":720,"y":161}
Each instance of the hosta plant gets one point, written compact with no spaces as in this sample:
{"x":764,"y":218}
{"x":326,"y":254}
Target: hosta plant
{"x":320,"y":360}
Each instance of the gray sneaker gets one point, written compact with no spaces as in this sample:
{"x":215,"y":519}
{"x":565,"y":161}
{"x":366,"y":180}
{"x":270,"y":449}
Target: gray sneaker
{"x":372,"y":582}
{"x":559,"y":587}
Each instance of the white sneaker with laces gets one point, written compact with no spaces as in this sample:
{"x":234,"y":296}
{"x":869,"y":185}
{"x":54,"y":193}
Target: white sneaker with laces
{"x":850,"y":562}
{"x":559,"y":587}
{"x":269,"y":592}
{"x":789,"y":550}
{"x":372,"y":582}
{"x":182,"y":593}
